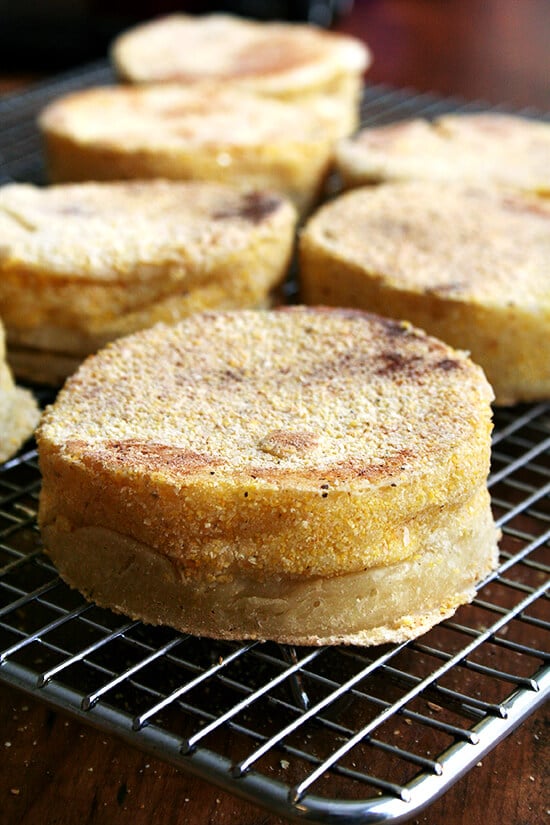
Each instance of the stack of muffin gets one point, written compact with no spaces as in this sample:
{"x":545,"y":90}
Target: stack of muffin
{"x":238,"y":119}
{"x":308,"y":475}
{"x":448,"y":225}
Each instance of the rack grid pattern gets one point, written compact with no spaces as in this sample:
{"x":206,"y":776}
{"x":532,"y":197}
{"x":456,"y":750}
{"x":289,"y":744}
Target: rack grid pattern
{"x":324,"y":735}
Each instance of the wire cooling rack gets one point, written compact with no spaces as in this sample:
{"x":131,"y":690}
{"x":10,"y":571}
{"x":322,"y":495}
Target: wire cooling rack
{"x":325,"y":735}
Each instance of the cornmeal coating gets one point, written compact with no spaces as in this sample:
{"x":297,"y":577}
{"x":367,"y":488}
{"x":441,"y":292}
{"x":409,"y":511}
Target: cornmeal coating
{"x":208,"y":131}
{"x":307,"y":475}
{"x":484,"y":148}
{"x":469,"y":265}
{"x":82,"y":264}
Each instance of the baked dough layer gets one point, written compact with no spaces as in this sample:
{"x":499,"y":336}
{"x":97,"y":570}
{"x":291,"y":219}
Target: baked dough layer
{"x":390,"y":603}
{"x":272,"y":449}
{"x":204,"y":132}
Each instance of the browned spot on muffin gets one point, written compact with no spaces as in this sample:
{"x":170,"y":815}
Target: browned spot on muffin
{"x":390,"y":327}
{"x":531,"y":206}
{"x":254,"y":207}
{"x":132,"y":453}
{"x":398,"y":329}
{"x":445,"y":289}
{"x":356,"y":467}
{"x":271,"y":55}
{"x":283,"y":443}
{"x":395,"y":362}
{"x":231,"y":376}
{"x":448,"y":364}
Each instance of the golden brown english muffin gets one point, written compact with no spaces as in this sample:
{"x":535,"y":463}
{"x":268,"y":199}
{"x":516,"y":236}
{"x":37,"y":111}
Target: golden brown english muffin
{"x":199,"y":133}
{"x":19,"y":413}
{"x":311,"y":476}
{"x":82,"y":264}
{"x":484,"y":148}
{"x":468,"y":265}
{"x":284,"y":60}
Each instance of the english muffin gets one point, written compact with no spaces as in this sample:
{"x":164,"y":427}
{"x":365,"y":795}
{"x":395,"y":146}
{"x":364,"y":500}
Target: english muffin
{"x":19,"y":413}
{"x":311,"y":476}
{"x":82,"y":264}
{"x":199,"y":133}
{"x":484,"y":148}
{"x":284,"y":60}
{"x":468,"y":265}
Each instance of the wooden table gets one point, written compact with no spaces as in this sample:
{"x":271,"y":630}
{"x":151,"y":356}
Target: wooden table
{"x":53,"y":770}
{"x":495,"y":50}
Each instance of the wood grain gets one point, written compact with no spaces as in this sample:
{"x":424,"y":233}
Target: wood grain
{"x":55,"y":771}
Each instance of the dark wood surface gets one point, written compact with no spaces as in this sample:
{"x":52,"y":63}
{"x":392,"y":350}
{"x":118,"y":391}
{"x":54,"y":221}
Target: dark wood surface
{"x":55,"y":771}
{"x":494,"y":50}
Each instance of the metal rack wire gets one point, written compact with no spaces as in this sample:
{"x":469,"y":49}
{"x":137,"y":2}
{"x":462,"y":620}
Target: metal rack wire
{"x":324,"y":735}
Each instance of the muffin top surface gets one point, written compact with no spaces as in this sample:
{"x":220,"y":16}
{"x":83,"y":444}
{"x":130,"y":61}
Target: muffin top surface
{"x":503,"y":149}
{"x":308,"y":395}
{"x":271,"y":55}
{"x":209,"y":114}
{"x":459,"y":242}
{"x":112,"y":232}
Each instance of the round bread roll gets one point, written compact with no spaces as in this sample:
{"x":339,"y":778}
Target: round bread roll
{"x":82,"y":264}
{"x":468,"y":265}
{"x":488,"y":147}
{"x":19,"y":412}
{"x":310,"y":476}
{"x":205,"y":132}
{"x":285,"y":60}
